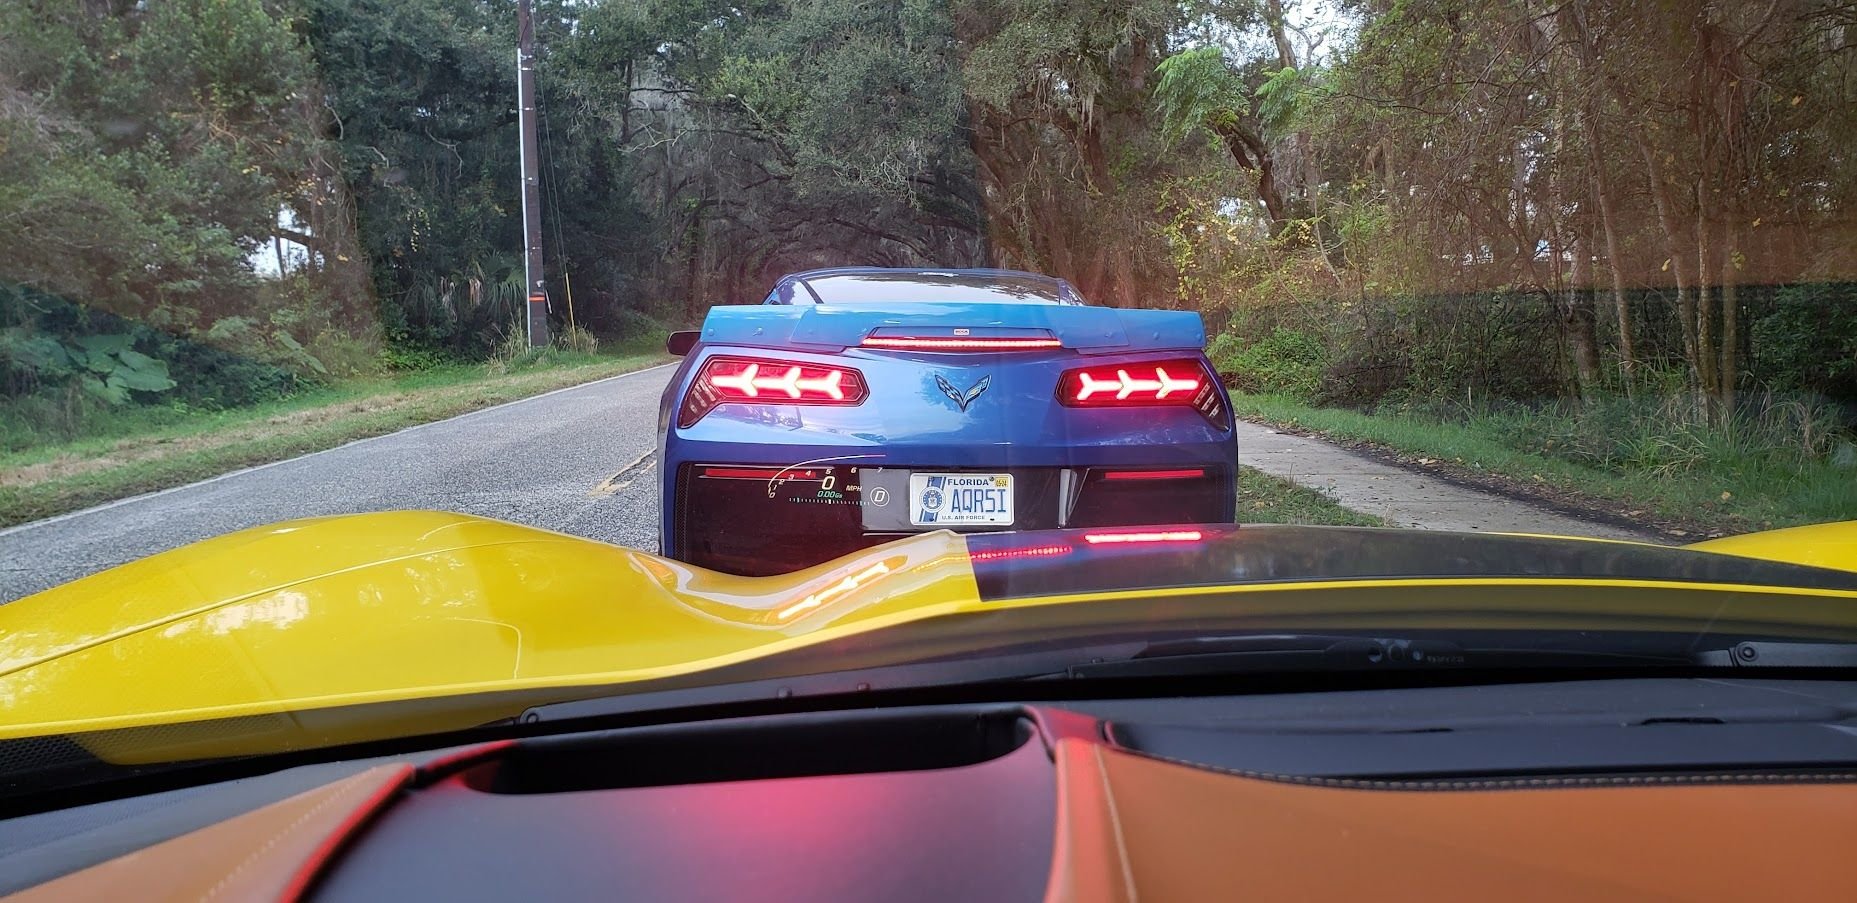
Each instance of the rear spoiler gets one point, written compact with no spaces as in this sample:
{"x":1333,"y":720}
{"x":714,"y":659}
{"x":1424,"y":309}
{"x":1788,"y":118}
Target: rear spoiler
{"x":1090,"y":330}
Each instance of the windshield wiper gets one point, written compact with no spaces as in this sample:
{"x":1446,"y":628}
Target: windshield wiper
{"x":1318,"y":652}
{"x":1313,"y":652}
{"x":1236,"y":655}
{"x":1757,"y":654}
{"x":1245,"y":654}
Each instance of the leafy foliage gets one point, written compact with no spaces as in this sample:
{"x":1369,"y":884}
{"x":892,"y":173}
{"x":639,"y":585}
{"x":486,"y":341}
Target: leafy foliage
{"x":49,"y":346}
{"x":1809,"y":341}
{"x":1285,"y":362}
{"x":1398,"y":203}
{"x":1197,"y":89}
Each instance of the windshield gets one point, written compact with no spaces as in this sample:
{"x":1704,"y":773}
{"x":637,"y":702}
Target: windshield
{"x":363,"y":352}
{"x":878,"y":287}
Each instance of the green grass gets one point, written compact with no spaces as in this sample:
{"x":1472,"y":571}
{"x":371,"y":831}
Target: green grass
{"x":1264,"y":499}
{"x":1713,"y":491}
{"x":142,"y":451}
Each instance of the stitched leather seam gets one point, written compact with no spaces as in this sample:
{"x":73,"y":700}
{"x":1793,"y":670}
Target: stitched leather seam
{"x":328,"y":801}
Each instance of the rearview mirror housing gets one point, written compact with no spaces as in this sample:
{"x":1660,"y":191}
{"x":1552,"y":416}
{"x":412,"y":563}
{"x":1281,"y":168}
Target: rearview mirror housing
{"x":681,"y":342}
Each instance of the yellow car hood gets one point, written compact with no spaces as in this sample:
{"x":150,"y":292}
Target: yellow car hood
{"x":280,"y":622}
{"x":367,"y":608}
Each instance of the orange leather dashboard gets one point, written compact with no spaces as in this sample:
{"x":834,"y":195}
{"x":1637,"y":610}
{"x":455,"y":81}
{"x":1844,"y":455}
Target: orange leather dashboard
{"x":270,"y":853}
{"x":1134,"y":828}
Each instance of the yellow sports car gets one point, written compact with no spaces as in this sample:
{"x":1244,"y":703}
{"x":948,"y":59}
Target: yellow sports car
{"x":430,"y":705}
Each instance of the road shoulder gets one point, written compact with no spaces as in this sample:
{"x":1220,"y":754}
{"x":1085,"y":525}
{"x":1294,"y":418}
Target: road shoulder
{"x":1404,"y":497}
{"x":141,"y":466}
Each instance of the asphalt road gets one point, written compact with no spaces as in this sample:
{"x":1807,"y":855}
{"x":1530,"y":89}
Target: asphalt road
{"x":579,"y":460}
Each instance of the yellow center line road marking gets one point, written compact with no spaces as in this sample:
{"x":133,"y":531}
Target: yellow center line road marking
{"x":626,"y":476}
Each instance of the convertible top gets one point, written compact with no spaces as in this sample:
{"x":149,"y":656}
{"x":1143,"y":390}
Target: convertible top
{"x":841,"y":286}
{"x":833,"y":309}
{"x":834,"y":327}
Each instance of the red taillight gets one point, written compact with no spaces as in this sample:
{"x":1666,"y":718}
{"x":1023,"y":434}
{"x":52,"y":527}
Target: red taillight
{"x":1161,"y":382}
{"x":758,"y":473}
{"x":1144,"y":536}
{"x":758,"y":381}
{"x":775,"y":381}
{"x":1185,"y":383}
{"x":937,"y":343}
{"x":1193,"y":473}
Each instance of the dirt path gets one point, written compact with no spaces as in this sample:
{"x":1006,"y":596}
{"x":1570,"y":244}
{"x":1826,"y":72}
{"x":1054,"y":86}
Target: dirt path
{"x":1405,"y":498}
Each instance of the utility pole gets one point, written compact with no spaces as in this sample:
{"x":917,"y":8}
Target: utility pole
{"x":537,"y":304}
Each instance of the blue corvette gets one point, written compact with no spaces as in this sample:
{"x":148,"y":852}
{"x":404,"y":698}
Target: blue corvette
{"x":857,"y":405}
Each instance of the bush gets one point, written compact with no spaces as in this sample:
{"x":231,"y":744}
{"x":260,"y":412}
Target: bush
{"x":413,"y":359}
{"x":1809,"y":341}
{"x":1286,"y":362}
{"x":632,"y":326}
{"x":512,"y":347}
{"x":578,"y":340}
{"x":1224,"y":352}
{"x":461,"y":314}
{"x":202,"y":375}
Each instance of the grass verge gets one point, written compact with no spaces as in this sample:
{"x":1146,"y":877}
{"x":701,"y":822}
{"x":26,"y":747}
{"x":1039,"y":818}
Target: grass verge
{"x":1264,"y":499}
{"x":138,"y":455}
{"x":1708,"y":498}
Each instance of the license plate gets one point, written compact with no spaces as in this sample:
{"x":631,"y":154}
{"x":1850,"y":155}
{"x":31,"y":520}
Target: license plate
{"x":960,"y":499}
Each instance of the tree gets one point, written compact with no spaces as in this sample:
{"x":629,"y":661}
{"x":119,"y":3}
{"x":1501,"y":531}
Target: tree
{"x":1071,"y":165}
{"x":151,"y":151}
{"x":775,"y":136}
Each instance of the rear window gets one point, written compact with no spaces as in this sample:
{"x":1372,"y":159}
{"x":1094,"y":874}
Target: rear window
{"x":850,"y":289}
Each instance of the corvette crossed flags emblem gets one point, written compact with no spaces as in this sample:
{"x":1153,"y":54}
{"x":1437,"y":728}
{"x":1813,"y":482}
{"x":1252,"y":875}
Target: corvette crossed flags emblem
{"x":962,"y":399}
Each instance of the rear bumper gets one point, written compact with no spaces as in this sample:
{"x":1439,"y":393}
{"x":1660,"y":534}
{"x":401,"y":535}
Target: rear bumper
{"x":735,"y":517}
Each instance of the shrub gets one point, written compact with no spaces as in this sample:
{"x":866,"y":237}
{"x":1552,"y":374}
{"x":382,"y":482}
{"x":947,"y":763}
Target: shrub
{"x":631,"y":326}
{"x":412,"y":358}
{"x":155,"y":367}
{"x":1809,"y":341}
{"x":1224,"y":352}
{"x":1287,"y":362}
{"x":578,"y":340}
{"x":512,"y":347}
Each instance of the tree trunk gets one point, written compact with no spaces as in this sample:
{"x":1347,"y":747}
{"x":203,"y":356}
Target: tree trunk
{"x":1305,"y":170}
{"x":1125,"y":278}
{"x":1604,"y":196}
{"x":694,"y":302}
{"x":1272,"y":194}
{"x":1731,"y":315}
{"x":1249,"y":152}
{"x":1673,"y":234}
{"x":1581,"y":320}
{"x":1573,"y":295}
{"x":1526,"y":238}
{"x":1705,"y":303}
{"x":1608,"y":226}
{"x":1273,"y":14}
{"x":1627,"y":343}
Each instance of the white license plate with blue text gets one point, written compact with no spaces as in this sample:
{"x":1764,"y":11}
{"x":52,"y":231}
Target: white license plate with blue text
{"x":960,"y":499}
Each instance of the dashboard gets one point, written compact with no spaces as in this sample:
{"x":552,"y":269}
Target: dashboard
{"x":1667,"y":787}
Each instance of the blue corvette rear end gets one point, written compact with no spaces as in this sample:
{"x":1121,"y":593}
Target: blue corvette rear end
{"x":858,"y":405}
